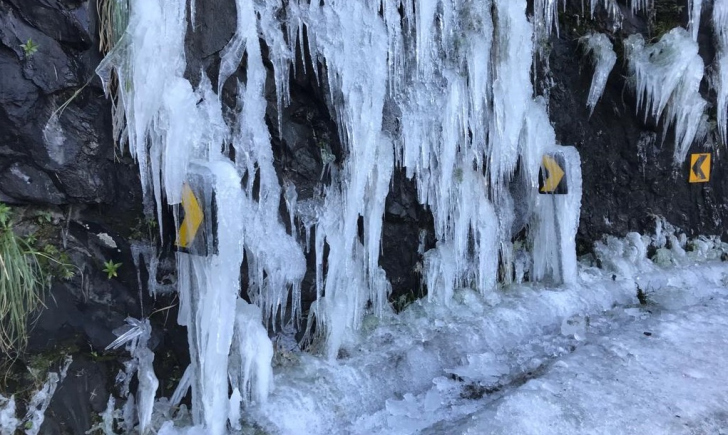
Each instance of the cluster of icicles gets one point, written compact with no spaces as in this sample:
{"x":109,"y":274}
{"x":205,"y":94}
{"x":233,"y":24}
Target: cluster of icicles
{"x":470,"y":133}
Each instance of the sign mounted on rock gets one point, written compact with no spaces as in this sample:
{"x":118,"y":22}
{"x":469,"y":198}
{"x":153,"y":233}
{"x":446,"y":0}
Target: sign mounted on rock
{"x":196,"y":234}
{"x":700,"y":168}
{"x":551,"y":175}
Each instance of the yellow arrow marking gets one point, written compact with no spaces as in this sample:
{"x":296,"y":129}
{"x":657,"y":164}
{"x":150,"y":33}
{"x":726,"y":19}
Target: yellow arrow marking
{"x":699,"y":168}
{"x":192,"y":220}
{"x":555,"y":174}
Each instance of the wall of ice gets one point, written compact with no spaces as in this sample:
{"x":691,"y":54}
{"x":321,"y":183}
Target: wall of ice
{"x":472,"y":135}
{"x":459,"y":76}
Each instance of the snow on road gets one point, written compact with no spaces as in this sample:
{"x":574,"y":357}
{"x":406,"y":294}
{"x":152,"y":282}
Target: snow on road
{"x":583,"y":358}
{"x":664,"y":374}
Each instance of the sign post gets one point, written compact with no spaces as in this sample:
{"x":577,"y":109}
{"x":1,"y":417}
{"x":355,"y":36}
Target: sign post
{"x":552,"y":180}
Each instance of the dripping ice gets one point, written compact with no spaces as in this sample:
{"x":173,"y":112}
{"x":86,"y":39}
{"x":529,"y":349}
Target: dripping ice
{"x":599,"y":47}
{"x":720,"y":80}
{"x":666,"y":76}
{"x":472,"y":138}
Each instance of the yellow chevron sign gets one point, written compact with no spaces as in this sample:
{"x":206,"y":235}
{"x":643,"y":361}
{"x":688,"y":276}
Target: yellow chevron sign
{"x":551,"y":177}
{"x":192,"y":219}
{"x":699,"y":168}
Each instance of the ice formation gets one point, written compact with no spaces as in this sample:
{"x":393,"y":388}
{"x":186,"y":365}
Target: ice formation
{"x":667,"y":77}
{"x":404,"y":360}
{"x":603,"y":57}
{"x":545,"y":12}
{"x":36,"y":407}
{"x":471,"y":135}
{"x":720,"y":28}
{"x":641,"y":5}
{"x":694,"y":9}
{"x":135,"y":336}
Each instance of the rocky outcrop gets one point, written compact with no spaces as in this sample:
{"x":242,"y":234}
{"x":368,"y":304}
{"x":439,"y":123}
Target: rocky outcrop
{"x":64,"y":165}
{"x":628,"y":171}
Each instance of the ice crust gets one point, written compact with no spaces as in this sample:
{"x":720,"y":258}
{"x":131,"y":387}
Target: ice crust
{"x":694,"y":9}
{"x":407,"y":361}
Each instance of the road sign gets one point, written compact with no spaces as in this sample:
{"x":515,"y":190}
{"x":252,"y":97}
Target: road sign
{"x":700,"y":168}
{"x":193,"y":216}
{"x":197,"y":233}
{"x":551,"y":176}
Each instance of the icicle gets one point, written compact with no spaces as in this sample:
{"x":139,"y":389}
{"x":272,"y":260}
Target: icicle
{"x":290,"y":196}
{"x":181,"y":390}
{"x":41,"y":399}
{"x":603,"y":57}
{"x":356,"y":59}
{"x":250,"y":359}
{"x":135,"y":337}
{"x":667,"y":75}
{"x":546,"y":16}
{"x":610,"y":6}
{"x":694,"y":9}
{"x":210,"y":286}
{"x":147,"y":252}
{"x":720,"y":79}
{"x":641,"y":5}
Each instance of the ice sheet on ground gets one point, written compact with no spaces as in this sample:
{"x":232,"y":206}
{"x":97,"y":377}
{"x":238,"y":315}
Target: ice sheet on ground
{"x":663,"y":374}
{"x":433,"y":363}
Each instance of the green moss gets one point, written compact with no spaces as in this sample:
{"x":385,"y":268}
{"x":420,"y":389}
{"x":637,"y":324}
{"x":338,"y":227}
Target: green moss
{"x":663,"y":17}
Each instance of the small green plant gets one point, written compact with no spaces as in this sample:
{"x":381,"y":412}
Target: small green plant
{"x":30,"y":47}
{"x":144,"y":229}
{"x":23,"y":283}
{"x":55,"y":262}
{"x":111,"y":268}
{"x":44,"y":217}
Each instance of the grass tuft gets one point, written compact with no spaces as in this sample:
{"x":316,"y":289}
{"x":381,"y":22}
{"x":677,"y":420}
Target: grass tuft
{"x":23,"y":283}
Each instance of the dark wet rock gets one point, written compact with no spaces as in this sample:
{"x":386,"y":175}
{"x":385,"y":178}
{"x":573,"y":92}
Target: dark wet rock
{"x":407,"y":232}
{"x":628,"y":170}
{"x":66,"y":23}
{"x":28,"y":184}
{"x":80,"y":397}
{"x":49,"y":68}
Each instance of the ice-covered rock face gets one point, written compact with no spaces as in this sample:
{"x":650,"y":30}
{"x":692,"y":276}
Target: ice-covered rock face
{"x":720,"y":28}
{"x":459,"y":76}
{"x":667,"y":78}
{"x":470,"y":131}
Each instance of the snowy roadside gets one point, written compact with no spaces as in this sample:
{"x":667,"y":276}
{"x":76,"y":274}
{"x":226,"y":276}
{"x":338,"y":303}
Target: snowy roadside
{"x":436,"y":363}
{"x":661,"y":375}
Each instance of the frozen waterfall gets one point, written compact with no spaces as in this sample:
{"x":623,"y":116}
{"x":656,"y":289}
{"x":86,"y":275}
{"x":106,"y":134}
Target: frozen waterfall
{"x":472,"y":135}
